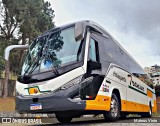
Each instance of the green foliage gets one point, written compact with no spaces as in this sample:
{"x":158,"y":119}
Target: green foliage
{"x":35,"y":18}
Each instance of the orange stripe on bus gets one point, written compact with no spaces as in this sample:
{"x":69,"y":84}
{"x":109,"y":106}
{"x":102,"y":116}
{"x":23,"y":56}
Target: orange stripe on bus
{"x":149,"y":93}
{"x":129,"y":106}
{"x":103,"y":103}
{"x":100,"y":103}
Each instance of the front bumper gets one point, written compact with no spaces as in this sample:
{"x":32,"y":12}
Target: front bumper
{"x":50,"y":103}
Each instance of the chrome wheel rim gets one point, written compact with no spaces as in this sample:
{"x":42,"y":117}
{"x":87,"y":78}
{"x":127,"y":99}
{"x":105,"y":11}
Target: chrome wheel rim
{"x":114,"y":108}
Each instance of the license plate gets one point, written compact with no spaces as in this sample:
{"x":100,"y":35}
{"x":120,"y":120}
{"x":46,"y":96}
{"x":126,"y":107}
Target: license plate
{"x":35,"y":106}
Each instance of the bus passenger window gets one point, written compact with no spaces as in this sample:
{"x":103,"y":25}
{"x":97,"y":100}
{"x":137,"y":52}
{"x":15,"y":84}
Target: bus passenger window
{"x":145,"y":78}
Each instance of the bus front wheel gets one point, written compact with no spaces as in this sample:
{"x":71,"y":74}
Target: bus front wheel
{"x":114,"y":112}
{"x":63,"y":117}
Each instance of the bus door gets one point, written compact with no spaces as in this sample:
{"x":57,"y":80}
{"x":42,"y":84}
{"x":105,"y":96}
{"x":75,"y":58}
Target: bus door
{"x":93,"y":79}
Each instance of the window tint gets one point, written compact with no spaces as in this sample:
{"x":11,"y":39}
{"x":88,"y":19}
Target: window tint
{"x":144,"y":78}
{"x":64,"y":47}
{"x":109,"y":49}
{"x":134,"y":67}
{"x":121,"y":57}
{"x":60,"y":49}
{"x":93,"y":50}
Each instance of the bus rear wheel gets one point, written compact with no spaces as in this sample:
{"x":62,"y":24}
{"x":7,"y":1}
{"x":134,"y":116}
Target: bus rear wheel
{"x":114,"y":112}
{"x":63,"y":117}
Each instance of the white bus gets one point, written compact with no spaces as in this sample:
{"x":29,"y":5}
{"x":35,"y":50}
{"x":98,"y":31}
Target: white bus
{"x":80,"y":69}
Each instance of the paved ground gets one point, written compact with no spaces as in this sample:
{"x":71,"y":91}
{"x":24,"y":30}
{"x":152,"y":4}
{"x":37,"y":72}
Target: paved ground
{"x":88,"y":121}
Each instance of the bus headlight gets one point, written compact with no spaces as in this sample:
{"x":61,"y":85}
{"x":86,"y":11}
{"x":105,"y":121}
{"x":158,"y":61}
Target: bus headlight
{"x":71,"y":83}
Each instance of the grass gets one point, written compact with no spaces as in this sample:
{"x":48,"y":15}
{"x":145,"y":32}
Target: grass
{"x":7,"y":104}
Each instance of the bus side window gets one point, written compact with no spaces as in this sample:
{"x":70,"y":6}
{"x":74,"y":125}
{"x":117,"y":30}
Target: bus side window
{"x":93,"y":57}
{"x":145,"y":79}
{"x":93,"y":51}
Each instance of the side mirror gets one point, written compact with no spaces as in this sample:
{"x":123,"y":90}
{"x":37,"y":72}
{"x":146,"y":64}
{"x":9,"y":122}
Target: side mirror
{"x":17,"y":47}
{"x":79,"y":31}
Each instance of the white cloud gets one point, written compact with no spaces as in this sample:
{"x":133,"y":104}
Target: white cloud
{"x":134,"y":24}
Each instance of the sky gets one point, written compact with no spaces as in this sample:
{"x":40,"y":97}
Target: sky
{"x":135,"y":24}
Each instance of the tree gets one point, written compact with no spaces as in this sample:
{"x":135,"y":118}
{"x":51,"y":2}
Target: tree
{"x":8,"y":27}
{"x":21,"y":22}
{"x":2,"y":63}
{"x":36,"y":18}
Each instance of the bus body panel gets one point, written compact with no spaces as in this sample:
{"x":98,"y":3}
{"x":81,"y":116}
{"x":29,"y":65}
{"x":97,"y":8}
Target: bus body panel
{"x":50,"y":85}
{"x":132,"y":99}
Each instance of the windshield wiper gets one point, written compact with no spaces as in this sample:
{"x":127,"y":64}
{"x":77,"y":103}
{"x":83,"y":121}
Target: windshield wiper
{"x":27,"y":69}
{"x":34,"y":61}
{"x":42,"y":56}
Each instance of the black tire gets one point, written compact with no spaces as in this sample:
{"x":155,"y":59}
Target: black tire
{"x":63,"y":118}
{"x":147,"y":114}
{"x":114,"y":112}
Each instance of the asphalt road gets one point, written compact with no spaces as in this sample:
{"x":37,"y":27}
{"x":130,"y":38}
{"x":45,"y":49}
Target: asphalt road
{"x":93,"y":121}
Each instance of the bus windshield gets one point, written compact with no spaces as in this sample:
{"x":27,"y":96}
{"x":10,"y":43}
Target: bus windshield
{"x":52,"y":51}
